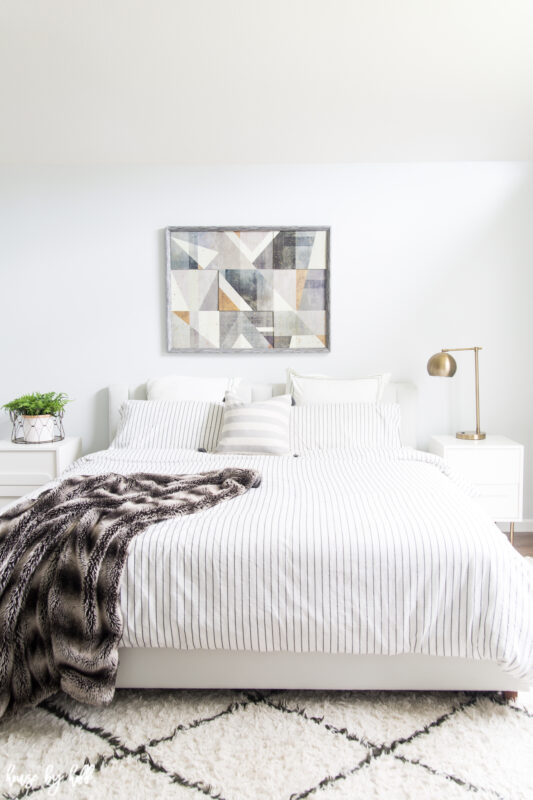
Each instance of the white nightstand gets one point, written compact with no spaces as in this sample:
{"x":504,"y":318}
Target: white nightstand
{"x":494,"y":467}
{"x":25,"y":467}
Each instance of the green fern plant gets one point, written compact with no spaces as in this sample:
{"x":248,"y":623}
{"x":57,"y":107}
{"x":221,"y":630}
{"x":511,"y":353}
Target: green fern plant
{"x":31,"y":405}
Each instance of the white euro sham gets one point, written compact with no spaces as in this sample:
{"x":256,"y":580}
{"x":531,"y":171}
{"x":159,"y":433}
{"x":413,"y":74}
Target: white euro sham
{"x":321,"y":389}
{"x":185,"y":387}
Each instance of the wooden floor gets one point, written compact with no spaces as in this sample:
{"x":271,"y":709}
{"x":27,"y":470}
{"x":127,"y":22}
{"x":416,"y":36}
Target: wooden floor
{"x":524,"y":543}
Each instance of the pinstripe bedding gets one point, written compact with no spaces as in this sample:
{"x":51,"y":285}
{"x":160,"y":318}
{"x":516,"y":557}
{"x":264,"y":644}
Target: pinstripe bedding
{"x":348,"y":551}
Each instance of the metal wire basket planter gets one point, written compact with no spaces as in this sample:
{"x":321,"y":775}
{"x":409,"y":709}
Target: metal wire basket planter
{"x":39,"y":429}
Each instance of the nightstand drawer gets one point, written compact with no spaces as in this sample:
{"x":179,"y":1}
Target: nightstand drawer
{"x":24,"y":479}
{"x":18,"y":489}
{"x":486,"y":466}
{"x":32,"y":461}
{"x":501,"y":501}
{"x":27,"y":467}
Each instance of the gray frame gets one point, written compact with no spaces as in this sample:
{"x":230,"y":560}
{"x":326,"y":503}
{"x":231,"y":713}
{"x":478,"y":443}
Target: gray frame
{"x":206,"y":228}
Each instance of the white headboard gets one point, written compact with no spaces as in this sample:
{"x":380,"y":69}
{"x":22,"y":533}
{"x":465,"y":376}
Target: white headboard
{"x":402,"y":393}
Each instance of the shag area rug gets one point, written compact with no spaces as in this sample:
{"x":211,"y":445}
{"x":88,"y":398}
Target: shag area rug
{"x":271,"y":746}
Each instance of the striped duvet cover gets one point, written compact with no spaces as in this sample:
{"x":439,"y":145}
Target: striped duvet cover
{"x":376,"y":551}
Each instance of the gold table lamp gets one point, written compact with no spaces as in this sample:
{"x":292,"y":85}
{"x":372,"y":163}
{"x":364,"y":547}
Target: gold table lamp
{"x":444,"y":365}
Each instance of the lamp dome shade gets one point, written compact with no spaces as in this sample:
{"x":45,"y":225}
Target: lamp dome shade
{"x":442,"y":365}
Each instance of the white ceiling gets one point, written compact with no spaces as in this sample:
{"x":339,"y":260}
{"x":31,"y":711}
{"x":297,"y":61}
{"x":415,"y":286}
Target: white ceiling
{"x":242,"y":81}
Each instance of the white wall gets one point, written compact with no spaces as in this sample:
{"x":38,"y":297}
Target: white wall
{"x":423,"y":257}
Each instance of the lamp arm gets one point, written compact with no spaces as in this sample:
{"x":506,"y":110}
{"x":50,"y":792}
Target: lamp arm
{"x":458,"y":349}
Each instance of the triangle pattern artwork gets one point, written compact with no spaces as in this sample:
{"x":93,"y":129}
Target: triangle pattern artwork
{"x":201,"y":255}
{"x":248,"y":289}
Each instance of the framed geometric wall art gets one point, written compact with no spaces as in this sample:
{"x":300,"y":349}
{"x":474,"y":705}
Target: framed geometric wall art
{"x":242,"y":290}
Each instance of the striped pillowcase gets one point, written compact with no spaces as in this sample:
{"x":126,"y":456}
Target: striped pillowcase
{"x":261,"y":427}
{"x":346,"y":425}
{"x":169,"y":424}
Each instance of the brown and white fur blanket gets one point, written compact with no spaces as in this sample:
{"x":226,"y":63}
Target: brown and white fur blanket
{"x":61,"y":560}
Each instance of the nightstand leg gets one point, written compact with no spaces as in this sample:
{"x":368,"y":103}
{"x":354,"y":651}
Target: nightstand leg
{"x":511,"y":533}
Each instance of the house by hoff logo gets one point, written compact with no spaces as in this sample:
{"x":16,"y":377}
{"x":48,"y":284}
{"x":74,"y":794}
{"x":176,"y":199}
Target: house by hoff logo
{"x":50,"y":780}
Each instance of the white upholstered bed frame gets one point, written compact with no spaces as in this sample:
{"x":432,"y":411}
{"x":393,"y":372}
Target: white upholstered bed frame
{"x":222,"y":669}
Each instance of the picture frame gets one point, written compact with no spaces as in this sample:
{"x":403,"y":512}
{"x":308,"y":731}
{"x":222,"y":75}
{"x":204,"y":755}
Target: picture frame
{"x":236,"y":289}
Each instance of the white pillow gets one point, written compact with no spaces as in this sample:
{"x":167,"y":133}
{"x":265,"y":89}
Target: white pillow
{"x":183,"y":387}
{"x":261,"y":427}
{"x":346,"y":425}
{"x":187,"y":424}
{"x":319,"y":389}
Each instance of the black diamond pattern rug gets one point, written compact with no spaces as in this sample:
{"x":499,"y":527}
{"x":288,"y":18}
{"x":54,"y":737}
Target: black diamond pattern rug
{"x":271,"y":746}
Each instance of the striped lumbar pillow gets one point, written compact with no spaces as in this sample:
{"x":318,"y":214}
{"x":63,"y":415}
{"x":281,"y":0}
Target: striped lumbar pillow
{"x":261,"y":427}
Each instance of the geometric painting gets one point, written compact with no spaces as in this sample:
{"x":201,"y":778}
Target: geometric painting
{"x":248,"y":289}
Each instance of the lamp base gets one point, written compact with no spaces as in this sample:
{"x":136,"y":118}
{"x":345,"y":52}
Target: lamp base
{"x":470,"y":435}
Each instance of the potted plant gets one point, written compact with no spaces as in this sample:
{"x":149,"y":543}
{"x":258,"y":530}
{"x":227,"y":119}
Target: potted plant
{"x":38,"y":411}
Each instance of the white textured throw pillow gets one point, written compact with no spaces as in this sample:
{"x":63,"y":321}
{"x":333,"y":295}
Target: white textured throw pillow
{"x":347,"y":425}
{"x":261,"y":427}
{"x":189,"y":424}
{"x":183,"y":387}
{"x":310,"y":390}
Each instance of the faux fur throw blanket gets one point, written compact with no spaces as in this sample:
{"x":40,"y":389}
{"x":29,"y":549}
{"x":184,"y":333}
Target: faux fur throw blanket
{"x":61,"y":561}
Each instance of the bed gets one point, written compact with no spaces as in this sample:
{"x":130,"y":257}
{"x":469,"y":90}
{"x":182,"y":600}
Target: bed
{"x":345,"y":570}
